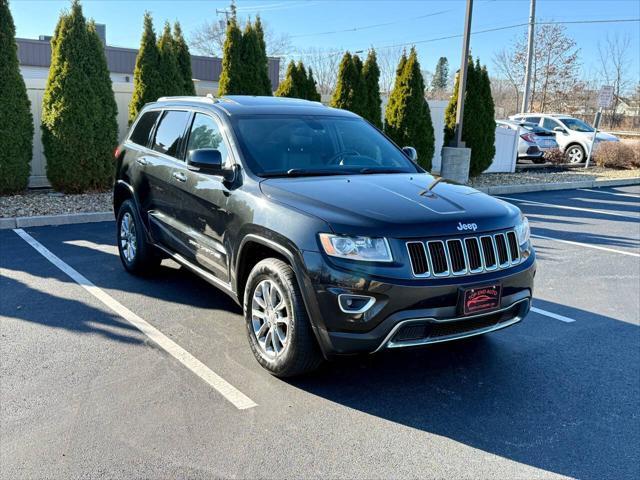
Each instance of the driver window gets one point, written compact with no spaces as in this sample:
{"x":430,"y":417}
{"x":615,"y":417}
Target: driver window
{"x":205,"y":133}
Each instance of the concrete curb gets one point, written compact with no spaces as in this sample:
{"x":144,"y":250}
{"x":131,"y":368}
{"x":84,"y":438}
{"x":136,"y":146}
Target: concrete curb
{"x":546,"y":187}
{"x":48,"y":220}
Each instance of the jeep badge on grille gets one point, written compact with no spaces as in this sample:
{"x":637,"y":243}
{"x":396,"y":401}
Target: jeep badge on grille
{"x":467,"y":226}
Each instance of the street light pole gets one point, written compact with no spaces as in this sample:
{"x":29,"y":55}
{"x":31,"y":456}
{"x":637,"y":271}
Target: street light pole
{"x":462,"y":83}
{"x":530,"y":53}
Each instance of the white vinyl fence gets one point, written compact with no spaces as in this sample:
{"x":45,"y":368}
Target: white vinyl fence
{"x":506,"y":151}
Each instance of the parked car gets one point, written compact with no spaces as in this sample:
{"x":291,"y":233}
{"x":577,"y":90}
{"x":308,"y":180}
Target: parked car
{"x":533,"y":141}
{"x":572,"y":134}
{"x":331,"y":238}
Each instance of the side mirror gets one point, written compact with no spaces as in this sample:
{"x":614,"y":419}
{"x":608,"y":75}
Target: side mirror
{"x":205,"y":160}
{"x":559,"y":129}
{"x":411,"y":153}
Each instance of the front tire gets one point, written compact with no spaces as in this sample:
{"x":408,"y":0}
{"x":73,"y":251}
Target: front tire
{"x":136,"y":253}
{"x":575,"y":154}
{"x":278,"y":327}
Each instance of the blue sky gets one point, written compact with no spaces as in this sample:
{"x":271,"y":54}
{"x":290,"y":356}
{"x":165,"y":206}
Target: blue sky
{"x":408,"y":21}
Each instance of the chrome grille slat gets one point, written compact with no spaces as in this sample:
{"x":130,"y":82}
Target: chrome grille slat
{"x":439,"y":257}
{"x":463,"y":255}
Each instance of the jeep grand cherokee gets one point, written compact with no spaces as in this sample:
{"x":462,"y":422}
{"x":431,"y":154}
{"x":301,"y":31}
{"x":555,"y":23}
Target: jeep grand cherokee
{"x":332,"y":239}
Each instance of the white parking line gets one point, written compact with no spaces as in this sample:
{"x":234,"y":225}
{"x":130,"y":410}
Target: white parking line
{"x":610,"y":193}
{"x":562,"y":318}
{"x":587,"y":245}
{"x":567,"y":207}
{"x":228,"y":391}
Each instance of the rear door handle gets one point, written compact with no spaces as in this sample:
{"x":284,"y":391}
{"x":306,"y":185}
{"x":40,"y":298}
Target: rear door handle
{"x":141,"y":161}
{"x":179,"y":176}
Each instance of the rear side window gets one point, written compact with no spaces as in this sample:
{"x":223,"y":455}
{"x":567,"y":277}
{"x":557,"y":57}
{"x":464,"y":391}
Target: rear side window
{"x":141,"y":133}
{"x":170,"y":132}
{"x":550,"y":124}
{"x":535,"y":120}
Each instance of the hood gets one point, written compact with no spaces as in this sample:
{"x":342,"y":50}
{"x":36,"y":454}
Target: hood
{"x":606,"y":137}
{"x":391,"y":205}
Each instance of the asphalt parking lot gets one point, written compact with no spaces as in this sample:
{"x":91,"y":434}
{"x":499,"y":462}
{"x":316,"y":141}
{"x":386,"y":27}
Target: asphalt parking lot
{"x":84,"y":393}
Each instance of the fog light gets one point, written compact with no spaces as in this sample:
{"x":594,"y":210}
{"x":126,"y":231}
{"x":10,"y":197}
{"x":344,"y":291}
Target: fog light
{"x":355,"y":304}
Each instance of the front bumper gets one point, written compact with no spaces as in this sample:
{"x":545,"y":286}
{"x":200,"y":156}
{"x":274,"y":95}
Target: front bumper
{"x":407,"y":313}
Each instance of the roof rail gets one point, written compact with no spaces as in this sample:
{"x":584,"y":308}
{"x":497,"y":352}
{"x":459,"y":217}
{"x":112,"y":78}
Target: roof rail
{"x":208,"y":98}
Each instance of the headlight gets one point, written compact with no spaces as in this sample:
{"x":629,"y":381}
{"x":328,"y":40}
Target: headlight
{"x":523,"y":231}
{"x":366,"y":249}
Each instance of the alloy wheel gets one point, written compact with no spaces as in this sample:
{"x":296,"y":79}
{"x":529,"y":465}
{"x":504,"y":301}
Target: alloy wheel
{"x":270,"y":319}
{"x":575,"y":155}
{"x":128,"y":241}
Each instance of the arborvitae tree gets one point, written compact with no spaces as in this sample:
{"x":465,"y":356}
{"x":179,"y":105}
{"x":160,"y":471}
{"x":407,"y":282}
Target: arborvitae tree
{"x":371,"y":78}
{"x":407,"y":117}
{"x":360,"y":90}
{"x":67,"y":122}
{"x":16,"y":121}
{"x":349,"y":92}
{"x":104,"y":110}
{"x":475,"y":128}
{"x":440,"y":79}
{"x":251,"y":62}
{"x":302,"y":80}
{"x":312,"y":89}
{"x":489,"y":116}
{"x":263,"y":60}
{"x":183,"y":58}
{"x":289,"y":86}
{"x":232,"y":76}
{"x":170,"y":79}
{"x":146,"y":76}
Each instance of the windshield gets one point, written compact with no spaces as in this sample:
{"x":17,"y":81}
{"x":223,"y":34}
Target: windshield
{"x":576,"y":125}
{"x":296,"y":145}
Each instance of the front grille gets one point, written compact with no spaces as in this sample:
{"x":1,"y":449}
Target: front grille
{"x":464,"y":256}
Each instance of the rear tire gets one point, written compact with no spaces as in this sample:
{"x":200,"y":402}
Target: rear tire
{"x":278,"y":327}
{"x":136,"y":253}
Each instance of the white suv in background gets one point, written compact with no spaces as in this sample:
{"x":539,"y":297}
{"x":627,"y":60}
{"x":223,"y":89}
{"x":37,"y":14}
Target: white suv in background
{"x":572,"y":134}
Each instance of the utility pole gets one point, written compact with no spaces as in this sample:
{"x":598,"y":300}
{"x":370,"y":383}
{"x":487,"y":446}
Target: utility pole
{"x":530,"y":53}
{"x":462,"y":83}
{"x":226,"y":13}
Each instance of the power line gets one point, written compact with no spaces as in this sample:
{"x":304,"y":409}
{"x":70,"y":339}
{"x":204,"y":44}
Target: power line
{"x":367,"y":27}
{"x":488,"y":30}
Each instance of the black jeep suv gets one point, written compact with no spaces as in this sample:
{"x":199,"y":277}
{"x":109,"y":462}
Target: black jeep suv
{"x":331,"y":237}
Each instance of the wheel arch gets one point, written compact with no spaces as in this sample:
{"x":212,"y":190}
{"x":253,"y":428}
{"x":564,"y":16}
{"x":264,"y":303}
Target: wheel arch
{"x":122,"y":192}
{"x":262,"y":247}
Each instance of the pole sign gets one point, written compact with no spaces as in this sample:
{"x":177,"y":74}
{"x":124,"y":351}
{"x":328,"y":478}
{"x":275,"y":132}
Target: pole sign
{"x":605,"y":97}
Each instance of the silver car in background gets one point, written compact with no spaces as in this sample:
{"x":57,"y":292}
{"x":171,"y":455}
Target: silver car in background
{"x":533,"y":141}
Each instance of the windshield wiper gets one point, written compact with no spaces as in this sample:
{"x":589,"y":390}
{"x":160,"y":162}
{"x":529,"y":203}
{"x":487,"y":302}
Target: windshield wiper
{"x":368,"y":170}
{"x":303,"y":172}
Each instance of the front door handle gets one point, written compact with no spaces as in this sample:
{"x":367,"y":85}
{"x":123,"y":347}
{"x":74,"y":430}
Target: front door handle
{"x":179,"y":176}
{"x":141,"y":161}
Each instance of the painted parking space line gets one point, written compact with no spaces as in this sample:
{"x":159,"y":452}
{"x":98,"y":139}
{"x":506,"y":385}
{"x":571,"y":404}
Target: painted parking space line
{"x":228,"y":391}
{"x":616,"y":194}
{"x":587,"y":245}
{"x":546,"y":313}
{"x":567,"y":207}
